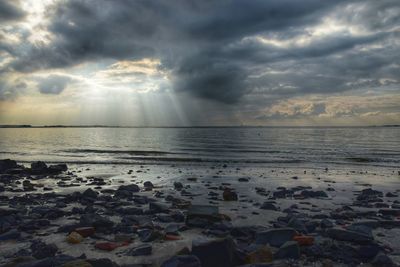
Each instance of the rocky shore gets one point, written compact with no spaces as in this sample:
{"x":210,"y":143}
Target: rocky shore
{"x":51,"y":215}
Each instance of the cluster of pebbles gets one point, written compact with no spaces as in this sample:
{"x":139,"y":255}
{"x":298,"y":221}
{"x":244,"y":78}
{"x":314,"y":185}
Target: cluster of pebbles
{"x":146,"y":225}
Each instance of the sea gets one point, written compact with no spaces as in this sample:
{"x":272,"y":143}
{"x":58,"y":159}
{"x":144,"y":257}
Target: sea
{"x":318,"y":147}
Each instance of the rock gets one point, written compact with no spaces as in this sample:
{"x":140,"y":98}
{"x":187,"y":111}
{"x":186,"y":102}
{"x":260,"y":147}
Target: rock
{"x":123,"y":194}
{"x":6,"y":164}
{"x":390,"y":212}
{"x":268,"y":206}
{"x":304,"y":240}
{"x":90,"y":193}
{"x":156,"y":207}
{"x":313,"y":194}
{"x":58,"y":168}
{"x":288,"y":250}
{"x":229,"y":195}
{"x":390,"y":194}
{"x":258,"y":254}
{"x":369,"y":193}
{"x":108,"y":246}
{"x":38,"y":167}
{"x":141,"y":250}
{"x":182,"y":261}
{"x":74,"y":238}
{"x":96,"y":221}
{"x":77,"y":263}
{"x":148,"y":185}
{"x":42,"y":250}
{"x":202,"y":215}
{"x":85,"y":231}
{"x":298,"y":225}
{"x":103,"y":262}
{"x":283,"y":193}
{"x":346,"y":235}
{"x":326,"y":223}
{"x":10,"y":235}
{"x":148,"y":235}
{"x":123,"y":238}
{"x":130,"y":188}
{"x":217,"y":253}
{"x":382,"y":260}
{"x":368,"y":252}
{"x":178,"y":185}
{"x":275,"y":237}
{"x":130,"y":211}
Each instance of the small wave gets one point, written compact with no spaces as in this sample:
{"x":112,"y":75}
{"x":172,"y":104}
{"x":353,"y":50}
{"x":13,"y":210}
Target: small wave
{"x":371,"y":160}
{"x":129,"y":152}
{"x":211,"y":160}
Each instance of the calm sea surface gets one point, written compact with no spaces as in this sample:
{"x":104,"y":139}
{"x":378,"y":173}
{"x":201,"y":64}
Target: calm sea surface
{"x":312,"y":146}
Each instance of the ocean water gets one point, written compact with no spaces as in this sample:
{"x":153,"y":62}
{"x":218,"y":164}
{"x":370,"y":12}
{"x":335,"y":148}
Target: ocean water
{"x":318,"y":147}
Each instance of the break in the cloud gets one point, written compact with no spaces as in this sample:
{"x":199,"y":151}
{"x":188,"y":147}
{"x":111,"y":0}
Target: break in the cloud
{"x":247,"y":62}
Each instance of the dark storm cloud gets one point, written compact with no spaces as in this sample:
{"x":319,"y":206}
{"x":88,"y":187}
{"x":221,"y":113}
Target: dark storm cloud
{"x":209,"y":48}
{"x":9,"y":10}
{"x":53,"y":84}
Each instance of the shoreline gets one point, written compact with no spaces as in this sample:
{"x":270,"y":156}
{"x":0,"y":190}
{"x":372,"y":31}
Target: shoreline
{"x":313,"y":204}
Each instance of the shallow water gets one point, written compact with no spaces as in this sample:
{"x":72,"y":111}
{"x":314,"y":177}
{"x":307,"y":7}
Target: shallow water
{"x":319,"y":147}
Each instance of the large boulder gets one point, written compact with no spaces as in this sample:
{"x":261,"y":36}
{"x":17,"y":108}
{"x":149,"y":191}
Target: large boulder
{"x":216,"y":253}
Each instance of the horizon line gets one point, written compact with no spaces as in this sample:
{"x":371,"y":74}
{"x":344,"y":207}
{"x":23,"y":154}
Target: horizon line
{"x":192,"y":126}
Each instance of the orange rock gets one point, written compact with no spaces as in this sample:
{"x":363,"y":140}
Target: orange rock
{"x":74,"y":238}
{"x":85,"y":231}
{"x":304,"y":240}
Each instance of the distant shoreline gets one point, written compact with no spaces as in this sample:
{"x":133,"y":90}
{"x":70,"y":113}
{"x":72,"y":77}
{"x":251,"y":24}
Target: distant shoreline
{"x":206,"y":126}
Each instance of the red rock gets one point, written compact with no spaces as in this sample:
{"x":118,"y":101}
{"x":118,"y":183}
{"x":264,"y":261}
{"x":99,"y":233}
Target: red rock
{"x":109,"y":246}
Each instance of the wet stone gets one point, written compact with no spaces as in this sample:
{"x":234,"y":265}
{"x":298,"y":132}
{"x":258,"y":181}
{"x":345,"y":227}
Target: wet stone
{"x":216,"y":253}
{"x":289,"y":249}
{"x":229,"y":195}
{"x":275,"y":237}
{"x":42,"y":250}
{"x":141,"y":250}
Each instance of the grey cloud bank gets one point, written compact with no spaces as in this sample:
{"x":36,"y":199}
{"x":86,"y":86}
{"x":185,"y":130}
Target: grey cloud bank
{"x":222,"y":51}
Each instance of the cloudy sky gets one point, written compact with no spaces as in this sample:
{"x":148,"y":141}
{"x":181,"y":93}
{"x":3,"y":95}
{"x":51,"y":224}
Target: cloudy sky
{"x":179,"y":62}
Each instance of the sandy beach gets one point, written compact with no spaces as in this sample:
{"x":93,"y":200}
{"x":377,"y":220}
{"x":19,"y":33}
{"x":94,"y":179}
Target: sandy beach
{"x":184,"y":215}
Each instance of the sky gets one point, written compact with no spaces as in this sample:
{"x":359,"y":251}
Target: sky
{"x":196,"y":63}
